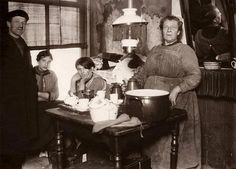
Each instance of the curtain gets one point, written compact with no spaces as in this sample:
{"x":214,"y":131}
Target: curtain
{"x":64,"y":24}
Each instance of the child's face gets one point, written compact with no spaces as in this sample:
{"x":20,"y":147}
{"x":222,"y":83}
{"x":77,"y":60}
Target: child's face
{"x":44,"y":63}
{"x":82,"y":70}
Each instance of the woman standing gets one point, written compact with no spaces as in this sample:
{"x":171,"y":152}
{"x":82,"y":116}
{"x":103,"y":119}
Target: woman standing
{"x":47,"y":94}
{"x":173,"y":66}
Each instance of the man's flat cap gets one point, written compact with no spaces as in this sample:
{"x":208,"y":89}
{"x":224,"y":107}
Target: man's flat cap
{"x":17,"y":12}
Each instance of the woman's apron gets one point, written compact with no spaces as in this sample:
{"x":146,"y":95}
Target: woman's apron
{"x":189,"y":135}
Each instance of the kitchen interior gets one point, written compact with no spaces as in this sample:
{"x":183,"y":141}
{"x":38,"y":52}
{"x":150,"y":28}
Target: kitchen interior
{"x":71,"y":29}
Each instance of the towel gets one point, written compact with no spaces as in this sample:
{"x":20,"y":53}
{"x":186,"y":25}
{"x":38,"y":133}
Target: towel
{"x":122,"y":121}
{"x":134,"y":121}
{"x":104,"y":124}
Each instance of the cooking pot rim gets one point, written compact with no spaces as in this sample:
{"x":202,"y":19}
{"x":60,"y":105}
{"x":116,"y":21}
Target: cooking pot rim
{"x":136,"y":93}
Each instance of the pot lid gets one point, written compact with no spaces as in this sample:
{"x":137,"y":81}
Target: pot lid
{"x":147,"y":92}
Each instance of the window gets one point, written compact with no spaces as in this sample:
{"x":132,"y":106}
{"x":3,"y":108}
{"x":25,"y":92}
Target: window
{"x":55,"y":24}
{"x":67,"y":27}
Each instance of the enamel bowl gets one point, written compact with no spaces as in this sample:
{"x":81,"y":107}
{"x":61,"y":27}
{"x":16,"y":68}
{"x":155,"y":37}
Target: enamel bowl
{"x":212,"y":65}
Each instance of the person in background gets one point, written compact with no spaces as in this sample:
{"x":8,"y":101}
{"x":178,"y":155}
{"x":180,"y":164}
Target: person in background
{"x":47,"y":94}
{"x":173,"y":66}
{"x":86,"y":78}
{"x":18,"y":115}
{"x":212,"y":41}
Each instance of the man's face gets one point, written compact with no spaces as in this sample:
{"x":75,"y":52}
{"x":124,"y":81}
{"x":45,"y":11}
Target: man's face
{"x":17,"y":26}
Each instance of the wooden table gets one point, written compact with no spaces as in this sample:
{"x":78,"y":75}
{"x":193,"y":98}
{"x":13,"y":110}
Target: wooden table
{"x":116,"y":140}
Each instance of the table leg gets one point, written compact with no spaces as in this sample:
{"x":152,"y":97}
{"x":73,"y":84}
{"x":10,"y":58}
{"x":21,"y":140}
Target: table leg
{"x":174,"y":146}
{"x":60,"y":162}
{"x":117,"y":154}
{"x":117,"y":158}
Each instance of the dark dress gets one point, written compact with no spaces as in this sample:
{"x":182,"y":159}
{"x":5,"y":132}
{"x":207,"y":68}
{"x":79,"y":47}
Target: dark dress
{"x":18,"y":120}
{"x":210,"y":42}
{"x":165,"y":68}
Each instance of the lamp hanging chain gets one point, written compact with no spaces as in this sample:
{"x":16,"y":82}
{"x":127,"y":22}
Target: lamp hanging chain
{"x":130,"y":4}
{"x":129,"y":31}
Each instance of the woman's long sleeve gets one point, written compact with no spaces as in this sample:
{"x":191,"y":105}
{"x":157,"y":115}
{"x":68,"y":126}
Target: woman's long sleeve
{"x":98,"y":84}
{"x":191,"y":69}
{"x":76,"y":77}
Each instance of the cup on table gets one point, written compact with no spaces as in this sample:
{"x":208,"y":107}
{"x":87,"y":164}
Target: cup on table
{"x":83,"y":103}
{"x":101,"y":94}
{"x":114,"y":97}
{"x":233,"y":63}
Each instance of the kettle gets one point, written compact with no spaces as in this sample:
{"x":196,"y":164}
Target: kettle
{"x":132,"y":84}
{"x":116,"y":88}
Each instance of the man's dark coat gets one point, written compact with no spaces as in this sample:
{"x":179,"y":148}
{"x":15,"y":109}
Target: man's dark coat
{"x":18,"y":96}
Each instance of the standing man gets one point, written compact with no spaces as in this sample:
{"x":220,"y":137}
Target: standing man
{"x":18,"y":115}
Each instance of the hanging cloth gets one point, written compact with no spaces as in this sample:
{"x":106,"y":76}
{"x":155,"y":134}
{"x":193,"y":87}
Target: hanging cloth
{"x":41,"y":82}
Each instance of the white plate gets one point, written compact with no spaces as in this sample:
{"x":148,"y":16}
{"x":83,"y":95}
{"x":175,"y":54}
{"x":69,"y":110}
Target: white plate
{"x":81,"y":109}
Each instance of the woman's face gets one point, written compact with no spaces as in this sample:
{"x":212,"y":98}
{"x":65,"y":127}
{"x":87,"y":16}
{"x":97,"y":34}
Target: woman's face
{"x":170,"y":31}
{"x":218,"y":16}
{"x":82,"y":71}
{"x":44,"y":63}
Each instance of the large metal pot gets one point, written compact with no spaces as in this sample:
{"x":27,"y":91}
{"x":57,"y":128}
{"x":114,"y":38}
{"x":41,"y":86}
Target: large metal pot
{"x":147,"y":104}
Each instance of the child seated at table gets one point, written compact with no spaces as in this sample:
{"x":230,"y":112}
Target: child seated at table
{"x":86,"y":78}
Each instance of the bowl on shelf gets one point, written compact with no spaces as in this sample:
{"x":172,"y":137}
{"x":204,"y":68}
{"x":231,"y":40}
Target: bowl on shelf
{"x":212,"y":65}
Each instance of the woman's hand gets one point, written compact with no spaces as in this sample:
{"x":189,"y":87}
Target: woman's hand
{"x":223,"y":57}
{"x":71,"y":94}
{"x":86,"y":77}
{"x":173,"y":95}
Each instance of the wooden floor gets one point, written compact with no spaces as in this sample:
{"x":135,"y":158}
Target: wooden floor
{"x":94,"y":162}
{"x":95,"y":159}
{"x":36,"y":162}
{"x":43,"y":163}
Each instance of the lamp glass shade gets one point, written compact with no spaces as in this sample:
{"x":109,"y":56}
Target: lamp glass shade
{"x":129,"y":17}
{"x":129,"y":42}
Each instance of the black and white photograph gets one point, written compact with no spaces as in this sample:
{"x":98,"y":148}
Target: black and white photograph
{"x":118,"y":84}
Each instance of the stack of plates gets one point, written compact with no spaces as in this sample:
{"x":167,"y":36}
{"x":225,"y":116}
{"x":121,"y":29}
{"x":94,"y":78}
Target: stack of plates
{"x":212,"y":65}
